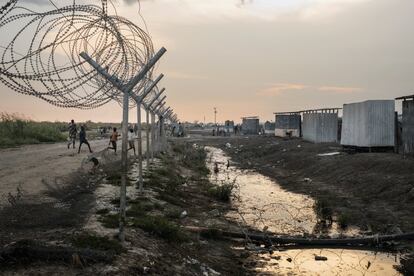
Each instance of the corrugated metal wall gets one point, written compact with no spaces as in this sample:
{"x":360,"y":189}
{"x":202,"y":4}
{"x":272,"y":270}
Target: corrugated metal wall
{"x":288,"y":123}
{"x":369,"y":124}
{"x":320,"y":127}
{"x":408,"y":126}
{"x":250,"y":126}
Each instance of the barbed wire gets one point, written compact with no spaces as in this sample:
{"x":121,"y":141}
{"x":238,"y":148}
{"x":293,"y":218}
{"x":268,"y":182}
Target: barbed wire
{"x":40,"y":56}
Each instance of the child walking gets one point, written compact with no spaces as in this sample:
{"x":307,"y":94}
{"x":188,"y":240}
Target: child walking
{"x":131,"y":140}
{"x":83,"y":140}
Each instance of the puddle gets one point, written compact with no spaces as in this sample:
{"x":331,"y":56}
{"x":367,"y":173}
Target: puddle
{"x":262,"y":204}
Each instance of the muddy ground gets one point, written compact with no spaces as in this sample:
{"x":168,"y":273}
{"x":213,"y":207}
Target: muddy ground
{"x":374,"y":191}
{"x":73,"y":219}
{"x":370,"y":190}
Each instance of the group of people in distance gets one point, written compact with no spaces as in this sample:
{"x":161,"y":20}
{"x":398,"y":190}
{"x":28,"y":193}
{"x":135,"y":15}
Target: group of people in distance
{"x":73,"y":133}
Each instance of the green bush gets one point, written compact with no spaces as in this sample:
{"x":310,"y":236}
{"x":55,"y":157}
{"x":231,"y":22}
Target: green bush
{"x":323,"y":210}
{"x":222,"y":192}
{"x":160,"y":227}
{"x":344,"y":220}
{"x":89,"y":241}
{"x":192,"y":157}
{"x":110,"y":220}
{"x":15,"y":131}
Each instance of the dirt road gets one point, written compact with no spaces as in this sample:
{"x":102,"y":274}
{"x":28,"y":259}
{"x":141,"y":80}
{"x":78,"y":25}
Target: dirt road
{"x":28,"y":166}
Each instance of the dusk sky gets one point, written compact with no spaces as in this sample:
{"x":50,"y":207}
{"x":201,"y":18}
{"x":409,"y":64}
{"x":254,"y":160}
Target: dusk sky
{"x":261,"y":56}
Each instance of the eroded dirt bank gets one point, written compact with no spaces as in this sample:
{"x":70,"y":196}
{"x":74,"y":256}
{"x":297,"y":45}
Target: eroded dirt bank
{"x":181,"y":192}
{"x":372,"y":190}
{"x":76,"y":233}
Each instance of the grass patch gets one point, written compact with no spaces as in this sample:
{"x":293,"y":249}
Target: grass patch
{"x":192,"y":157}
{"x":114,"y":178}
{"x":110,"y":220}
{"x":344,"y":220}
{"x":103,"y":211}
{"x":222,"y":192}
{"x":211,"y":234}
{"x":15,"y":131}
{"x":117,"y":201}
{"x":167,"y":177}
{"x":323,"y":210}
{"x":86,"y":240}
{"x":138,"y":209}
{"x":160,"y":227}
{"x":174,"y":213}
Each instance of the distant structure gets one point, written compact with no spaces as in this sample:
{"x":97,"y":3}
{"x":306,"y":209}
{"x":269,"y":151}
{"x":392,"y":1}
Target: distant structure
{"x":269,"y":128}
{"x":407,"y":132}
{"x":250,"y":125}
{"x":229,"y":126}
{"x":369,"y":124}
{"x":288,"y":124}
{"x":320,"y":125}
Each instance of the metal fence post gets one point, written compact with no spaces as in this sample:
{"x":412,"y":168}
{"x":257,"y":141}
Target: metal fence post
{"x":148,"y":154}
{"x":153,"y":142}
{"x":139,"y":122}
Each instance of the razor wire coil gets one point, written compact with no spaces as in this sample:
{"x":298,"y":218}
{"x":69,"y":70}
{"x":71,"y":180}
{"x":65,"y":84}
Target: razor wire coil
{"x":42,"y":59}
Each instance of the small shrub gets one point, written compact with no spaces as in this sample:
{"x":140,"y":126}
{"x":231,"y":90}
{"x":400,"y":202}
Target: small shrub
{"x":89,"y":241}
{"x":222,"y":192}
{"x":103,"y":211}
{"x":139,"y":209}
{"x":211,"y":234}
{"x":117,"y":201}
{"x":174,"y":213}
{"x":323,"y":210}
{"x":110,"y":220}
{"x":15,"y":131}
{"x":160,"y":227}
{"x":193,"y":157}
{"x":343,"y":220}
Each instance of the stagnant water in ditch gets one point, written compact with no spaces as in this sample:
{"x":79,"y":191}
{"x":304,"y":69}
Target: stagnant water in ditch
{"x":261,"y":203}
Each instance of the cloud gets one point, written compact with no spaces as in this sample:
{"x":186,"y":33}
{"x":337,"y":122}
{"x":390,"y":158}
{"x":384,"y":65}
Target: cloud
{"x":278,"y":89}
{"x":340,"y":89}
{"x":184,"y":76}
{"x":267,"y":10}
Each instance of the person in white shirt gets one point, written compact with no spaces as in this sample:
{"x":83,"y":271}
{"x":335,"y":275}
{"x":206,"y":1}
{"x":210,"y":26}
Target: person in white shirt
{"x":131,"y":139}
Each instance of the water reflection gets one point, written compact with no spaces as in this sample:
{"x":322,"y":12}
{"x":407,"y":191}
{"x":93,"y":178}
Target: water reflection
{"x":262,"y":204}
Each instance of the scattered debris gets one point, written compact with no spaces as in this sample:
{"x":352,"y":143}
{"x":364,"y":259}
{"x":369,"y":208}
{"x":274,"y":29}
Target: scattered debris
{"x":329,"y":153}
{"x":183,"y":214}
{"x":307,"y":179}
{"x":320,"y":258}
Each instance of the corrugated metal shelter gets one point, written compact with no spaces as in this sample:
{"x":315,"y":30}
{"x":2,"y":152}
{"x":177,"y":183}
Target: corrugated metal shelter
{"x":407,"y":124}
{"x":320,"y":125}
{"x":269,"y":127}
{"x":250,"y":125}
{"x":369,"y":124}
{"x":229,"y":126}
{"x":288,"y":124}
